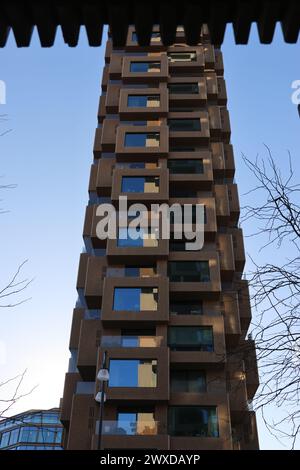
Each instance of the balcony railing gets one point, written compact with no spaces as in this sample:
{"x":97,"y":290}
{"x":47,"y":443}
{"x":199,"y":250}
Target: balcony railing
{"x":129,"y":428}
{"x":131,"y":341}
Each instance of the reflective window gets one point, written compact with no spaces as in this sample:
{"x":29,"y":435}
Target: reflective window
{"x":135,"y":299}
{"x":194,"y":421}
{"x":4,"y":439}
{"x":133,"y":373}
{"x":185,"y":307}
{"x":137,"y":423}
{"x":188,"y":381}
{"x":139,"y":139}
{"x":137,"y":165}
{"x":191,"y":338}
{"x":189,"y":271}
{"x":143,"y":101}
{"x":185,"y":166}
{"x":184,"y":88}
{"x":144,"y":66}
{"x":140,"y":184}
{"x":184,"y":125}
{"x":136,"y":237}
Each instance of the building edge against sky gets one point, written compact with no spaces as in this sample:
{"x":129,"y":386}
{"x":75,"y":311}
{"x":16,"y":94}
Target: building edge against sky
{"x":173,"y":322}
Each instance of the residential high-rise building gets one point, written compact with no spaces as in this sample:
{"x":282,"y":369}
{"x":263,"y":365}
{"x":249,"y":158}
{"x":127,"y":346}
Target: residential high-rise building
{"x":173,"y":322}
{"x":32,"y":430}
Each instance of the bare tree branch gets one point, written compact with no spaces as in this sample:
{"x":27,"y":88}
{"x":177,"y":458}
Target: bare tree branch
{"x":275,"y":287}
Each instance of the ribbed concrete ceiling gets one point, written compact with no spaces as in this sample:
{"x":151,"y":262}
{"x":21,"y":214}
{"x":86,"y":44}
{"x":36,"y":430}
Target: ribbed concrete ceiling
{"x":21,"y":16}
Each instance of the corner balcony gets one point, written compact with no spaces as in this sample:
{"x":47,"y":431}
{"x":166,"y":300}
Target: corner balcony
{"x":140,"y":301}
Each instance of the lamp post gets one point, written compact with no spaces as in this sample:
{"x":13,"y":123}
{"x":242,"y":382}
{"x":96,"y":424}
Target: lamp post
{"x":103,"y":377}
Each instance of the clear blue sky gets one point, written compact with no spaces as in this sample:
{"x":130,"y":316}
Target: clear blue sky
{"x":52,"y":101}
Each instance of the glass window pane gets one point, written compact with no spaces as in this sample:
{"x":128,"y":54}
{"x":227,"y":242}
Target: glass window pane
{"x":184,"y":125}
{"x":185,"y":166}
{"x":184,"y":88}
{"x":137,"y":101}
{"x":4,"y":439}
{"x":192,"y":381}
{"x":135,"y":139}
{"x":127,"y":299}
{"x":132,"y":373}
{"x":193,"y":421}
{"x":190,"y":338}
{"x":188,"y":271}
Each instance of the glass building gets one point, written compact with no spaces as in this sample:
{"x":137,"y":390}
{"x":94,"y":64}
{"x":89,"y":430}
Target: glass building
{"x":32,"y":430}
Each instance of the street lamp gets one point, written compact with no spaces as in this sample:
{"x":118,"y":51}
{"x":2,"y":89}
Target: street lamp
{"x":103,"y":377}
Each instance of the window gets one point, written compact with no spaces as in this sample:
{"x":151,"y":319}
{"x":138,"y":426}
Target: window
{"x":140,"y":184}
{"x":29,"y":434}
{"x":177,"y":245}
{"x":133,"y":373}
{"x":194,"y":421}
{"x":185,"y":307}
{"x":137,"y":423}
{"x":188,"y":381}
{"x":134,"y":139}
{"x":4,"y":439}
{"x":131,"y":271}
{"x":188,"y":271}
{"x":184,"y":125}
{"x":137,"y":165}
{"x":184,"y":88}
{"x":135,"y":299}
{"x":145,"y":67}
{"x":136,"y":237}
{"x":185,"y":166}
{"x":191,"y":338}
{"x":143,"y":101}
{"x":182,"y":56}
{"x":14,"y":436}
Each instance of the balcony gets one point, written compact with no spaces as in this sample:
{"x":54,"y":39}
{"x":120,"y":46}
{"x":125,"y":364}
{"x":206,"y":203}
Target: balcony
{"x":179,"y":129}
{"x":222,"y":203}
{"x":115,"y":67}
{"x":219,"y":65}
{"x":131,"y":341}
{"x":186,"y":59}
{"x":112,"y":98}
{"x":108,"y":136}
{"x":101,"y":109}
{"x":69,"y":390}
{"x":222,"y":94}
{"x":90,"y":224}
{"x":179,"y":169}
{"x":147,"y":247}
{"x":215,"y":123}
{"x":209,"y":56}
{"x":93,"y":288}
{"x":209,"y":288}
{"x":158,"y":106}
{"x":97,"y":149}
{"x":238,"y":248}
{"x":215,"y":357}
{"x":244,"y":305}
{"x":130,"y":428}
{"x":187,"y":91}
{"x":223,"y":160}
{"x":141,"y":185}
{"x":155,"y":144}
{"x":238,"y":390}
{"x":251,"y":369}
{"x":226,"y":129}
{"x":89,"y":341}
{"x":230,"y":310}
{"x":234,"y":204}
{"x":145,"y":382}
{"x":211,"y":86}
{"x":103,"y":177}
{"x":225,"y":249}
{"x":78,"y":315}
{"x":157,"y":71}
{"x":146,"y":301}
{"x":210,"y":221}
